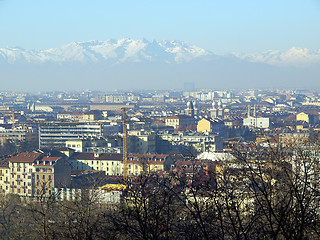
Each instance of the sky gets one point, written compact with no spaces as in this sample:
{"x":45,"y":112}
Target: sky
{"x":220,"y":26}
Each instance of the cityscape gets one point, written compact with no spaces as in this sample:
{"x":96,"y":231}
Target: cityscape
{"x":159,"y":120}
{"x":120,"y":147}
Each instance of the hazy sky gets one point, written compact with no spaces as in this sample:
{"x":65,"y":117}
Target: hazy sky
{"x":221,"y":26}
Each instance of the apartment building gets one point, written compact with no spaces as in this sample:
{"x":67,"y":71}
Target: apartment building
{"x":141,"y":142}
{"x":294,"y":138}
{"x":4,"y":179}
{"x":32,"y":174}
{"x":179,"y":120}
{"x":22,"y":172}
{"x":201,"y":142}
{"x":256,"y":122}
{"x":146,"y":163}
{"x":110,"y":163}
{"x":15,"y":134}
{"x":50,"y":173}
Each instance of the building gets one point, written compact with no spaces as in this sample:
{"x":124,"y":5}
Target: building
{"x":209,"y":125}
{"x":256,"y":122}
{"x":293,"y":139}
{"x":4,"y":179}
{"x":199,"y":142}
{"x":146,"y":163}
{"x":50,"y":173}
{"x":191,"y":109}
{"x":32,"y":174}
{"x":141,"y":142}
{"x":22,"y":173}
{"x":15,"y":135}
{"x":304,"y":117}
{"x":110,"y":163}
{"x":55,"y":134}
{"x":179,"y":120}
{"x":217,"y":111}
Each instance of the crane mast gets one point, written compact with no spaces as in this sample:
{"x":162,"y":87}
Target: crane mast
{"x":125,"y":146}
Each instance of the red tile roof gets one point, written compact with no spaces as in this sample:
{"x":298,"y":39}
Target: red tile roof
{"x":25,"y":157}
{"x":50,"y":158}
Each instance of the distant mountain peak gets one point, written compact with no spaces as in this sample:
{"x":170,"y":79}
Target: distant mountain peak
{"x":117,"y":51}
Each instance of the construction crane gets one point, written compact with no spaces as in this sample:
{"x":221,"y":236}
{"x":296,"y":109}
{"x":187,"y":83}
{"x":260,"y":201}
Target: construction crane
{"x":13,"y":128}
{"x":13,"y":120}
{"x":125,"y":146}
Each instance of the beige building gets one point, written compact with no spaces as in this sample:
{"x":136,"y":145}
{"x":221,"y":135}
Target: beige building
{"x":4,"y":179}
{"x":304,"y":117}
{"x":50,"y":173}
{"x":210,"y":125}
{"x":293,"y":139}
{"x":22,"y":172}
{"x":141,"y":142}
{"x":110,"y":163}
{"x":32,"y":174}
{"x":145,"y":163}
{"x":179,"y":120}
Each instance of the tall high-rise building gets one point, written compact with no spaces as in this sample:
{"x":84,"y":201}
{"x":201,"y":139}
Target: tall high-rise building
{"x":188,"y":87}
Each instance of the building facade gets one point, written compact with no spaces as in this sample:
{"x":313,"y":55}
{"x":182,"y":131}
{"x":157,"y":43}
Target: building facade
{"x":55,"y":134}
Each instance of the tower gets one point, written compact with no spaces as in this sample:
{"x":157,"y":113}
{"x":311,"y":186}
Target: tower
{"x":190,"y":111}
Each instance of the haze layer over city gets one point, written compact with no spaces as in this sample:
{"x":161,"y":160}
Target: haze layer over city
{"x":159,"y":120}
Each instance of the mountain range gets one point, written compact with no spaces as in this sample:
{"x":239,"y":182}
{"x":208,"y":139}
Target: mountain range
{"x":129,"y":50}
{"x":129,"y":63}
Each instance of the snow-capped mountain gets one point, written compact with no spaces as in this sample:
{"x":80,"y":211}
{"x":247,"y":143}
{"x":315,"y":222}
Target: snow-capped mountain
{"x":135,"y":64}
{"x":293,"y":57}
{"x":130,"y":50}
{"x":116,"y":51}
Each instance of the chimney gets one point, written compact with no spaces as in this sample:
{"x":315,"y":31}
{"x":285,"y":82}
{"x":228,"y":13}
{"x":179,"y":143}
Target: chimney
{"x":96,"y":154}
